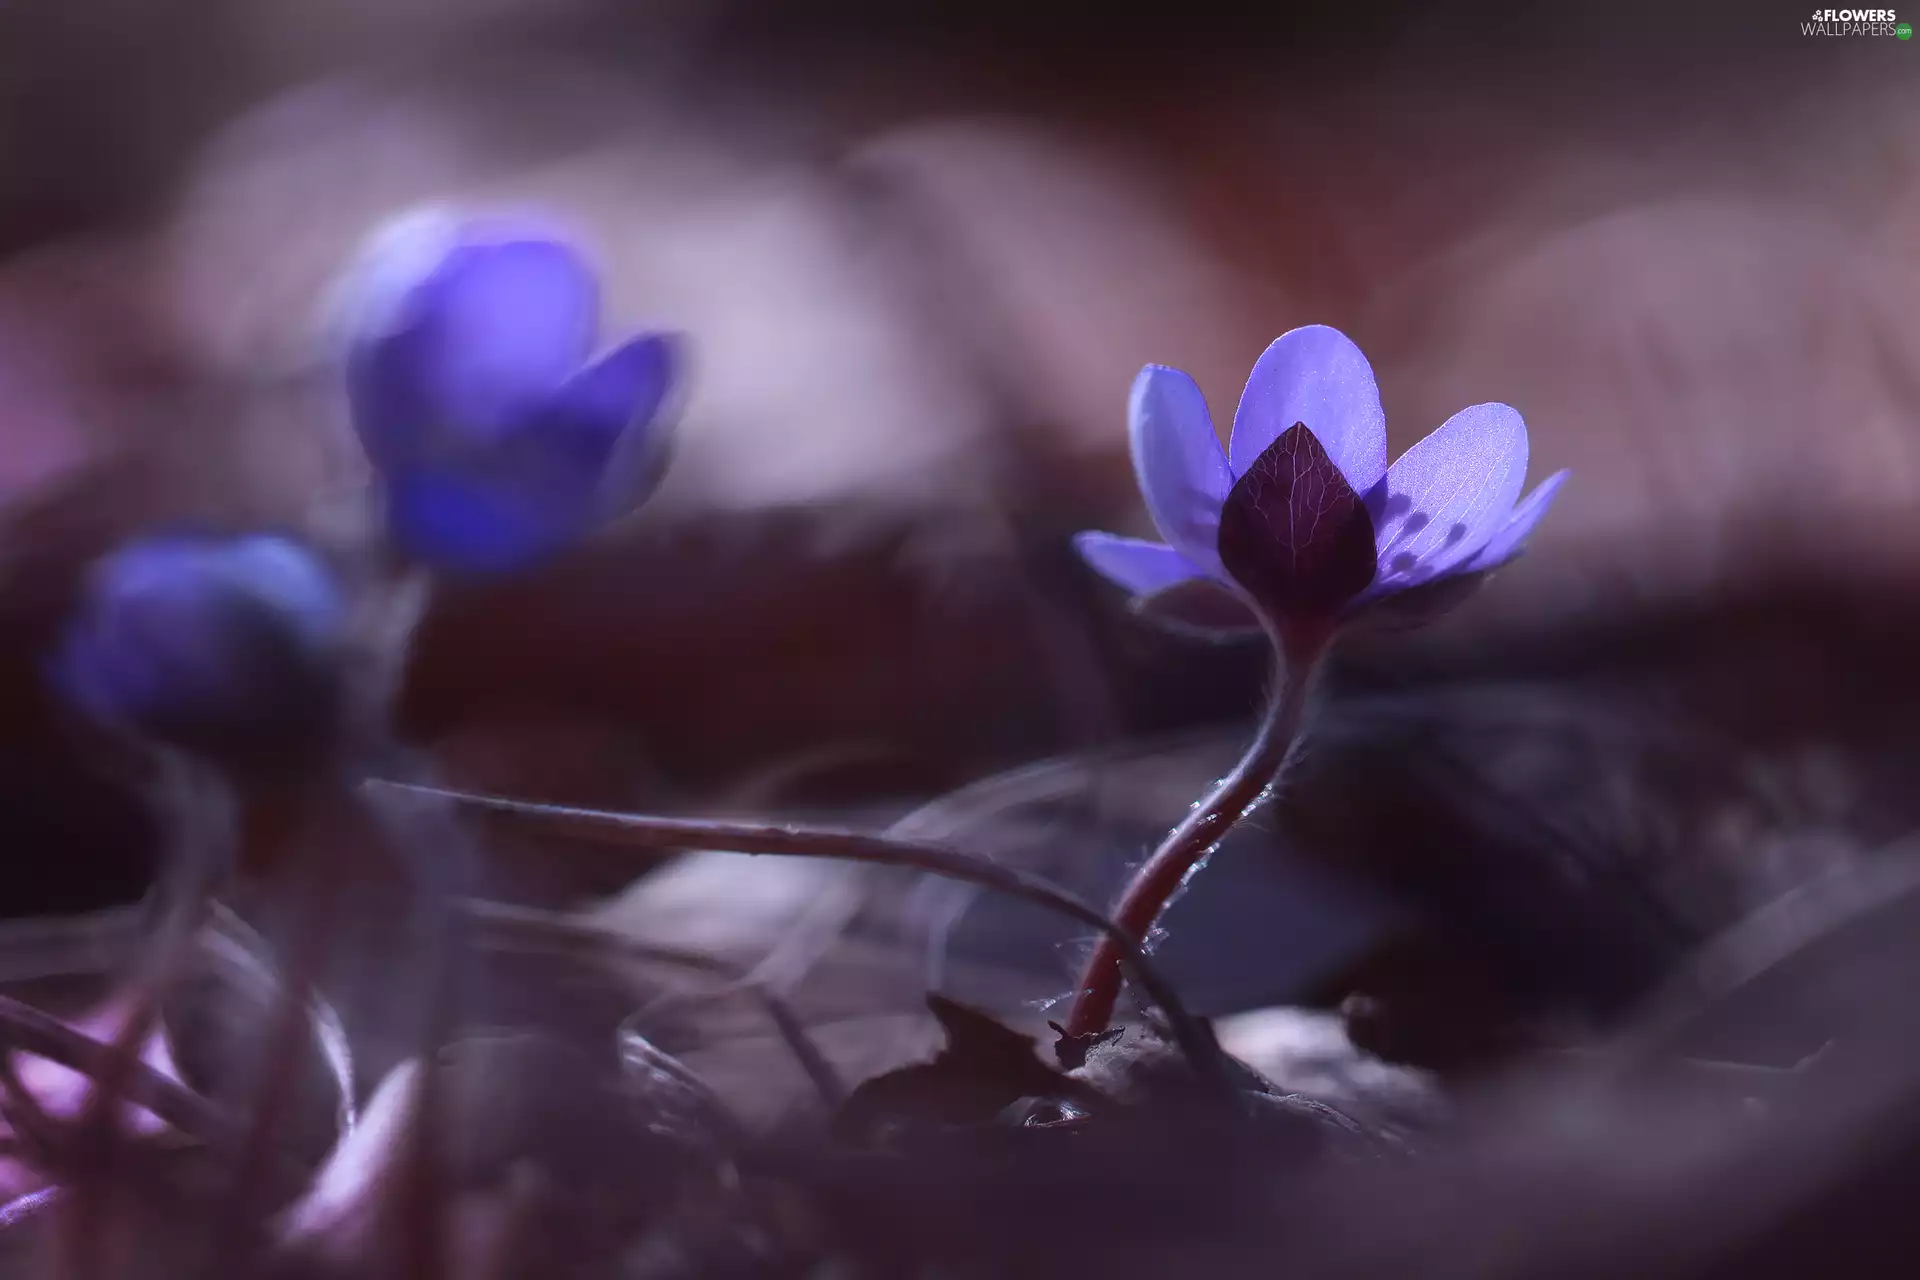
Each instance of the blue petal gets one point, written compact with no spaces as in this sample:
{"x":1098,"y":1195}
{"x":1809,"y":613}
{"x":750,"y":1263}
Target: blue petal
{"x":1446,"y":497}
{"x":1177,"y":456}
{"x":1314,"y":375}
{"x":1141,"y":567}
{"x":224,"y":646}
{"x":607,"y":413}
{"x":491,"y":332}
{"x":1512,"y":537}
{"x":492,"y":522}
{"x":291,"y":580}
{"x":586,"y":455}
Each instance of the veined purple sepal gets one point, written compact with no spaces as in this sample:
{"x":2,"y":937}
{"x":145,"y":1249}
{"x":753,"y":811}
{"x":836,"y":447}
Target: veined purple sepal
{"x":1295,"y":534}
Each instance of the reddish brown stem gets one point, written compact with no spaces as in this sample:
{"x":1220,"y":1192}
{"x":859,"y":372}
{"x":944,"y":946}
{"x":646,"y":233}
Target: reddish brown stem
{"x":1160,"y":878}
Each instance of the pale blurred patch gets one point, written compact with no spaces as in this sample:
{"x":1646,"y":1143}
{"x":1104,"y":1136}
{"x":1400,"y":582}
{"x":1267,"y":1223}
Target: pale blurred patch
{"x":1075,"y":243}
{"x":78,"y":351}
{"x":1723,"y":378}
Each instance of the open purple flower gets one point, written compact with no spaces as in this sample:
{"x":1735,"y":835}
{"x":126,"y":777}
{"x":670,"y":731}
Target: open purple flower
{"x":1300,"y":516}
{"x":227,"y":646}
{"x":501,"y":437}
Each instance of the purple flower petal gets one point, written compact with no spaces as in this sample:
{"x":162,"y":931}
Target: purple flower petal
{"x":470,"y":386}
{"x":483,"y":522}
{"x":623,"y":386}
{"x":225,"y":646}
{"x":1316,"y":376}
{"x":1294,"y":534}
{"x":606,"y":412}
{"x":1448,"y":495}
{"x":471,"y":347}
{"x":1182,"y":469}
{"x":589,"y":454}
{"x":1142,"y":567}
{"x":1512,"y":537}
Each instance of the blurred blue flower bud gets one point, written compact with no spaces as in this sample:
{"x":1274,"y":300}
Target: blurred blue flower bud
{"x":500,"y":437}
{"x":226,"y":646}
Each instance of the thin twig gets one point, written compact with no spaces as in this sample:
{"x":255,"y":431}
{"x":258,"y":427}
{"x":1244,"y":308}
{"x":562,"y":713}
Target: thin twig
{"x":30,"y":1030}
{"x":655,"y":834}
{"x":39,"y":1133}
{"x":945,"y":816}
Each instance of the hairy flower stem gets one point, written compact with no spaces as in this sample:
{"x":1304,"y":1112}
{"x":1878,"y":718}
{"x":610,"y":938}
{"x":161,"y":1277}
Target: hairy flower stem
{"x":1154,"y":885}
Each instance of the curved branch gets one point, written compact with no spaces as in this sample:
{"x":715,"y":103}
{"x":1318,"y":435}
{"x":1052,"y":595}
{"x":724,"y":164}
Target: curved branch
{"x":654,"y":834}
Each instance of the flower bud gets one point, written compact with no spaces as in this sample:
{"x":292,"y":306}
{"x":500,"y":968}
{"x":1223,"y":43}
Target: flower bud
{"x":501,"y":439}
{"x":225,"y":646}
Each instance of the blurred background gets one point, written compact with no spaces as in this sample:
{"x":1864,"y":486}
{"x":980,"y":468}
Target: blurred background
{"x":921,"y":250}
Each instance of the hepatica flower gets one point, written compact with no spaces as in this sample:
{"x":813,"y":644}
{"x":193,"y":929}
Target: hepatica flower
{"x":226,"y":646}
{"x":1299,"y":524}
{"x":500,"y":435}
{"x":1300,"y":516}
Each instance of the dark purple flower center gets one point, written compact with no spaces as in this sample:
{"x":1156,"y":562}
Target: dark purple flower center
{"x":1295,"y":534}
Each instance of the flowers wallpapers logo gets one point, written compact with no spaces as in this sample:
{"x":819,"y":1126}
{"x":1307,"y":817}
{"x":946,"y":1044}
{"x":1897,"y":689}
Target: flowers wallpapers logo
{"x":1856,"y":22}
